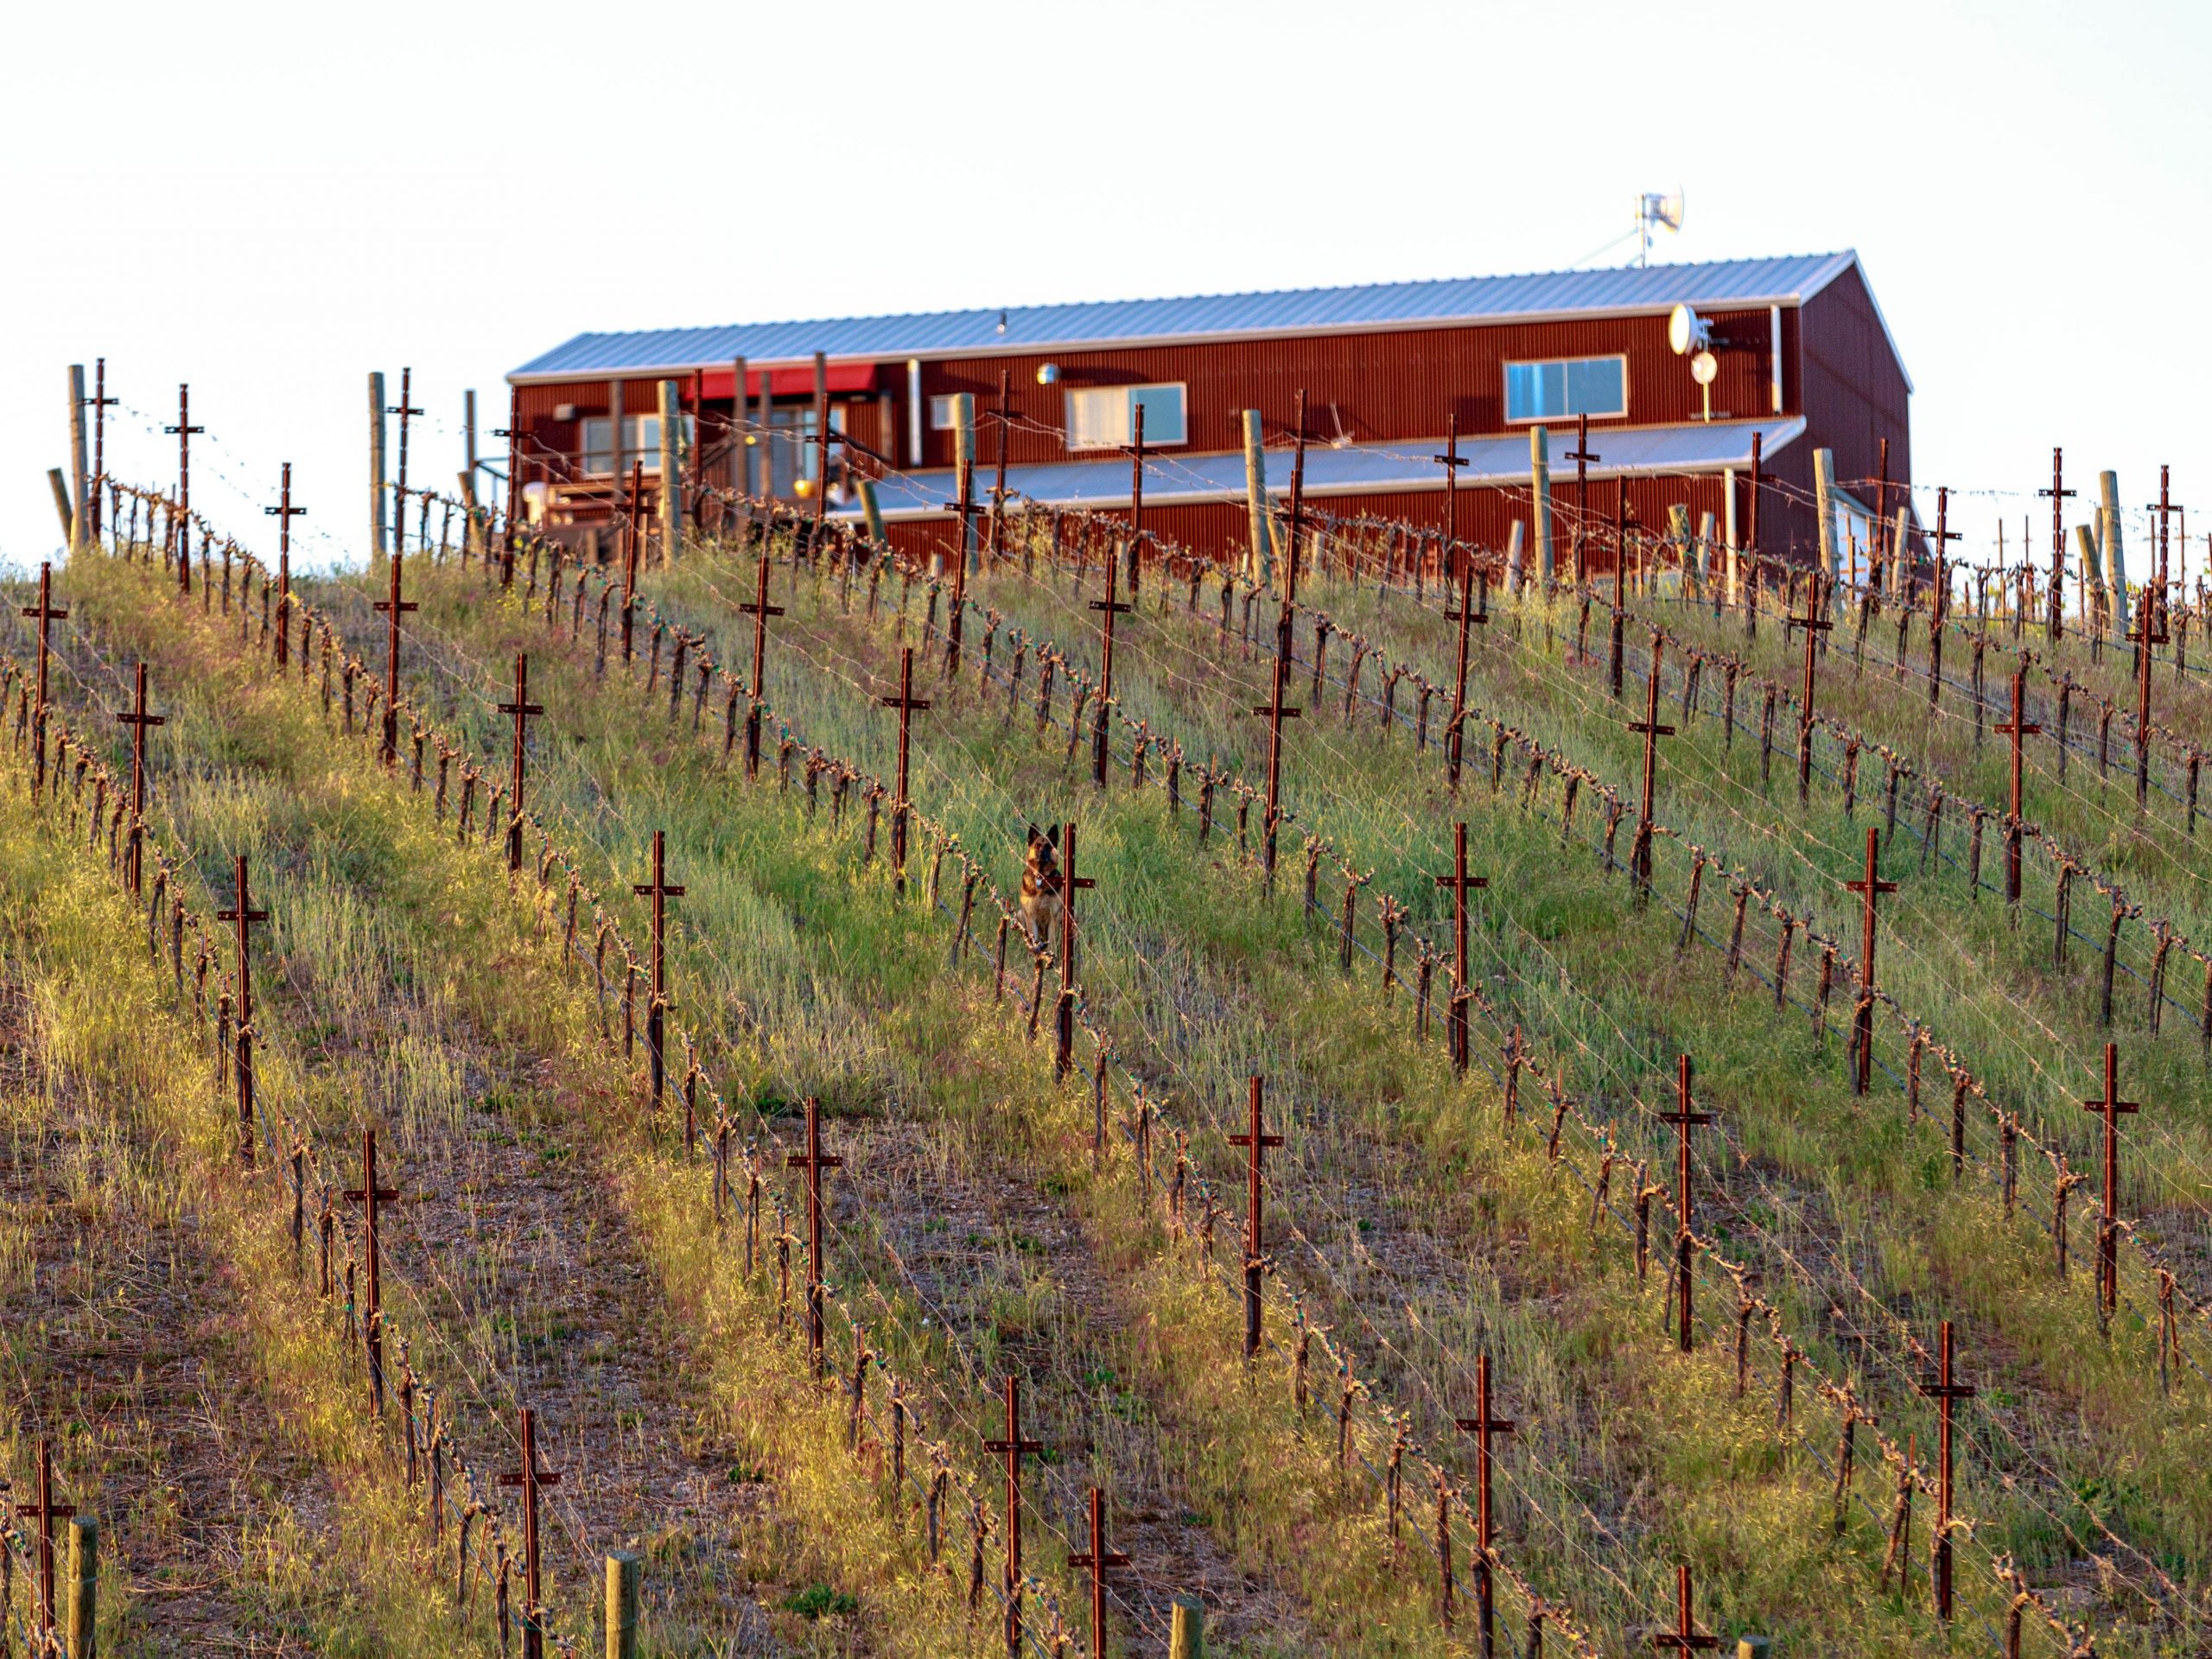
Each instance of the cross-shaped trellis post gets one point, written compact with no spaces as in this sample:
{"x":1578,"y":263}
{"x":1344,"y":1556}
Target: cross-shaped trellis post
{"x":1684,"y":1120}
{"x":243,"y":916}
{"x":759,"y":610}
{"x":966,"y":508}
{"x":2055,"y":614}
{"x":1581,"y":457}
{"x":403,"y":408}
{"x":1003,"y":416}
{"x":1064,"y":1022}
{"x":138,"y":720}
{"x":1685,"y":1637}
{"x":1651,"y":729}
{"x":908,"y":705}
{"x":184,"y":429}
{"x":520,"y":710}
{"x":284,"y":512}
{"x":2111,"y":1108}
{"x":1013,"y":1447}
{"x":1255,"y":1141}
{"x":814,"y":1161}
{"x":1939,"y":593}
{"x":660,"y":890}
{"x":1482,"y":1425}
{"x":630,"y":538}
{"x":101,"y":404}
{"x":1277,"y":708}
{"x":1872,"y":886}
{"x":393,"y":608}
{"x":1099,"y":1559}
{"x":1136,"y":493}
{"x":1815,"y":624}
{"x":1460,"y":882}
{"x":1469,"y":614}
{"x":2018,"y":728}
{"x":531,"y":1477}
{"x":1110,"y":607}
{"x":42,"y":1512}
{"x":1286,"y":616}
{"x":1941,"y":1389}
{"x":47,"y":613}
{"x":372,"y":1199}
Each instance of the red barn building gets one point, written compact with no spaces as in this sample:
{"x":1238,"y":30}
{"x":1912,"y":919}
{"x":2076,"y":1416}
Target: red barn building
{"x":1799,"y":354}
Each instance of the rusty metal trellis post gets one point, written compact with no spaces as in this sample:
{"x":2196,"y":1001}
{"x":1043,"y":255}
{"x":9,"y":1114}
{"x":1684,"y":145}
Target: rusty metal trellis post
{"x":101,"y":404}
{"x":1815,"y":623}
{"x":47,"y":614}
{"x":660,"y":891}
{"x":965,"y":508}
{"x":2016,"y":729}
{"x":1064,"y":1022}
{"x":629,"y":561}
{"x":243,"y":914}
{"x":2150,"y":629}
{"x":1685,"y":1637}
{"x":394,"y":607}
{"x":372,"y":1198}
{"x":138,"y":720}
{"x":42,"y":1512}
{"x":907,"y":704}
{"x":2111,"y":1108}
{"x":1684,"y":1120}
{"x":1651,"y":730}
{"x":2055,"y":614}
{"x":1004,"y":415}
{"x":1459,"y":881}
{"x":521,"y":709}
{"x":1098,"y":1559}
{"x":531,"y":1477}
{"x":184,"y":429}
{"x":1483,"y":1425}
{"x":403,"y":408}
{"x":284,"y":512}
{"x":813,"y":1161}
{"x":1467,"y":615}
{"x":1110,"y":607}
{"x":1013,"y":1446}
{"x":1136,"y":493}
{"x":759,"y":610}
{"x":1277,"y":711}
{"x":1942,"y":1389}
{"x":1287,"y":614}
{"x":1256,"y":1142}
{"x":1581,"y":457}
{"x":1872,"y":887}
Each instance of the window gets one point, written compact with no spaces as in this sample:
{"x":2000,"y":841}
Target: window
{"x":641,"y":442}
{"x":944,"y":411}
{"x":1566,"y":386}
{"x":1103,"y":417}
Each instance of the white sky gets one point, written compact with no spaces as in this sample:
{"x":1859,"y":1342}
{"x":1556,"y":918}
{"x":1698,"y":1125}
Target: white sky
{"x":271,"y":203}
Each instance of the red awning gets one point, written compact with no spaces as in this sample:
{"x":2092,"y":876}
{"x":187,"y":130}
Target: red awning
{"x":788,"y":383}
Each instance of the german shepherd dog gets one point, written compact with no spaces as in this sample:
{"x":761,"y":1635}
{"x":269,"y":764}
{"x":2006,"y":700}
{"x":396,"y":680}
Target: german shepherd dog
{"x":1042,"y":903}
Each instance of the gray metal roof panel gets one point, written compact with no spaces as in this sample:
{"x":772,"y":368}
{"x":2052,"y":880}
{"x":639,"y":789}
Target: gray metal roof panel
{"x":1790,"y":279}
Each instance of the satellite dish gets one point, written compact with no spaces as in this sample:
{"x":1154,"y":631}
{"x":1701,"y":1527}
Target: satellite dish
{"x":1653,"y":209}
{"x":1668,"y":210}
{"x":1688,"y":332}
{"x":1705,"y":368}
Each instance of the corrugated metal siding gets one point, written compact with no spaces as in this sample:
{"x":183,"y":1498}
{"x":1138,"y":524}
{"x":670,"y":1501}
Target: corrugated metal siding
{"x":1855,"y":392}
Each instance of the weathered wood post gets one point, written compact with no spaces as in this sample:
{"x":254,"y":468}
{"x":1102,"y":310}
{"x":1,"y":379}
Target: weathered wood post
{"x":1259,"y":564}
{"x":83,"y":1589}
{"x":872,"y":510}
{"x":671,"y":470}
{"x":1186,"y":1631}
{"x":963,"y":463}
{"x":1517,"y":555}
{"x":61,"y":505}
{"x":625,"y":1568}
{"x":2115,"y":554}
{"x":80,"y":486}
{"x":1539,"y":493}
{"x":468,"y":431}
{"x":376,"y":462}
{"x":1824,"y":494}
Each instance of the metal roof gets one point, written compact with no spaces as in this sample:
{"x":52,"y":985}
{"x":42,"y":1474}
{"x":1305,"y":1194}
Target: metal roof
{"x":1790,"y":280}
{"x":1355,"y":469}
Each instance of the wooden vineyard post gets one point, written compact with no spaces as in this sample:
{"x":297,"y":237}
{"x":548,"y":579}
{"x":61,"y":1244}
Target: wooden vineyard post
{"x":908,"y":705}
{"x":813,"y":1161}
{"x":1277,"y":711}
{"x":520,"y":710}
{"x":759,"y":610}
{"x":1684,"y":1120}
{"x":183,"y":430}
{"x":43,"y":1511}
{"x":393,"y":606}
{"x":1581,"y":457}
{"x":531,"y":1477}
{"x":1099,"y":1559}
{"x":1651,"y":731}
{"x":2054,"y":622}
{"x":1064,"y":1019}
{"x":1815,"y":624}
{"x":1685,"y":1637}
{"x":1013,"y":1447}
{"x":2111,"y":1108}
{"x":403,"y":408}
{"x":79,"y":1620}
{"x":284,"y":512}
{"x":1110,"y":607}
{"x":138,"y":720}
{"x":1459,"y":881}
{"x":372,"y":1199}
{"x":660,"y":890}
{"x":625,"y":1568}
{"x":1941,"y":1389}
{"x":1482,"y":1425}
{"x":2016,"y":729}
{"x":1186,"y":1631}
{"x":243,"y":915}
{"x":1468,"y":615}
{"x":1256,"y":1141}
{"x":1872,"y":887}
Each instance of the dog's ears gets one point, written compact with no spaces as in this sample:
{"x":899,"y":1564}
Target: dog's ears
{"x":1035,"y":834}
{"x":1053,"y":839}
